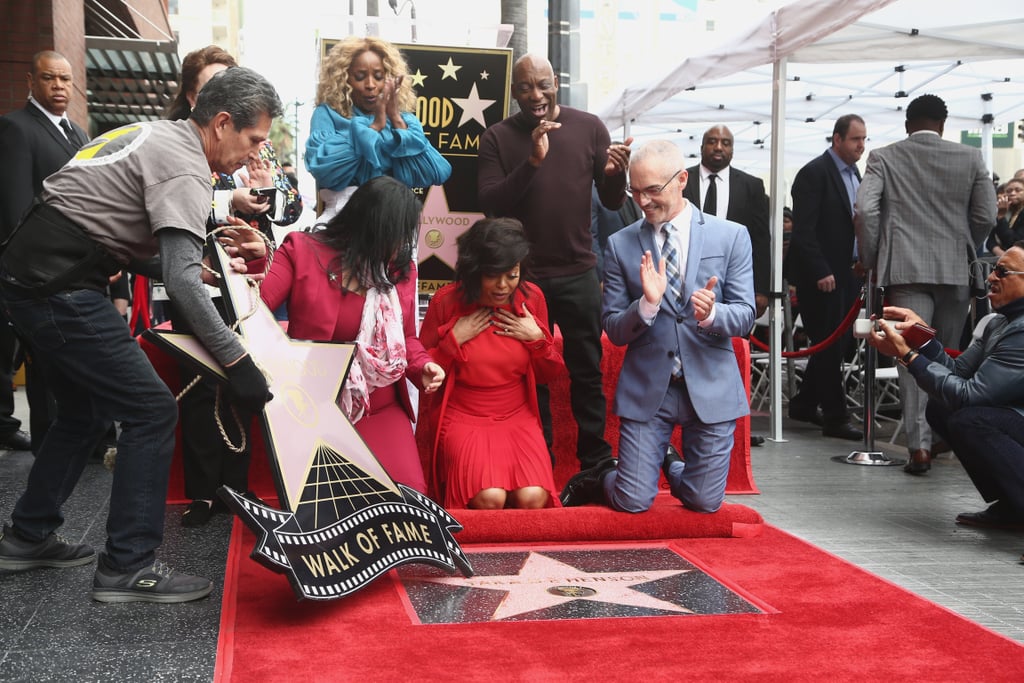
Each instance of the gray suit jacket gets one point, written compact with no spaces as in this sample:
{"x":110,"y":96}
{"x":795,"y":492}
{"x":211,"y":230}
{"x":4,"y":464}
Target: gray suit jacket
{"x":717,"y":247}
{"x":924,"y":206}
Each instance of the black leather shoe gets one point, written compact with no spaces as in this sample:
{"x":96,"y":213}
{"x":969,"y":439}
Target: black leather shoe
{"x":756,"y":440}
{"x":18,"y":441}
{"x":671,"y":456}
{"x":585,"y":486}
{"x":919,"y":463}
{"x":198,"y":513}
{"x":804,"y":415}
{"x":992,"y":518}
{"x":842,"y":430}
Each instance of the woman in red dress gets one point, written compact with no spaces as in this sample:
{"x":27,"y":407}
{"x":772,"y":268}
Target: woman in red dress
{"x":355,"y":281}
{"x":489,"y":331}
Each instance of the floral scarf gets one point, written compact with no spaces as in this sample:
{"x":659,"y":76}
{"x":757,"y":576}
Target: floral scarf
{"x":380,"y":357}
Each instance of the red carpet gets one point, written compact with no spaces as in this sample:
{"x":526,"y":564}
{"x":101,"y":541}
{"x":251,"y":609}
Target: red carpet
{"x":824,"y":618}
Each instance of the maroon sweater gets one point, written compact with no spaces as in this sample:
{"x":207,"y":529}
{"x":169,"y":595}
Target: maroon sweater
{"x":553,"y":201}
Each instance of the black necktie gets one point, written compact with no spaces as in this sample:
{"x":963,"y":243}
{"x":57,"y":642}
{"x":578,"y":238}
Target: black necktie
{"x":711,"y":198}
{"x":72,"y":136}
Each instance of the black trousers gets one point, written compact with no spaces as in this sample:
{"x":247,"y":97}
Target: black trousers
{"x":822,"y":385}
{"x":574,"y":304}
{"x":207,"y":460}
{"x":989,"y":442}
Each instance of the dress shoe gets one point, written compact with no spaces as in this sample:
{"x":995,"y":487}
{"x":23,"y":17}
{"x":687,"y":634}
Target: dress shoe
{"x":671,"y":456}
{"x":756,"y":440}
{"x":804,"y":415}
{"x":18,"y":441}
{"x":919,"y":463}
{"x":991,"y":518}
{"x":198,"y":513}
{"x":585,"y":486}
{"x":842,"y":430}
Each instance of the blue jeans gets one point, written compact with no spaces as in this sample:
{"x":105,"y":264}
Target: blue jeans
{"x":698,"y":483}
{"x":98,"y":374}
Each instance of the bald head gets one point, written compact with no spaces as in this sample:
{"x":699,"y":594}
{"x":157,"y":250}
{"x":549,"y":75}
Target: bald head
{"x":50,"y":81}
{"x":535,"y":89}
{"x":716,"y":148}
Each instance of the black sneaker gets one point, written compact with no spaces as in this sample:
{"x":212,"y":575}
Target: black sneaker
{"x":17,"y":554}
{"x":157,"y":583}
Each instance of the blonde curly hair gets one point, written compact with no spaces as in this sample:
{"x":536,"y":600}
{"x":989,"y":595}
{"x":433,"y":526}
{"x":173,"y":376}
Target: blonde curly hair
{"x":333,"y":88}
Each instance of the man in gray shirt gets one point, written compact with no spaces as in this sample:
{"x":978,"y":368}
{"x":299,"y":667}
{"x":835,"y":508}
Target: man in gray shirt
{"x":130,"y":195}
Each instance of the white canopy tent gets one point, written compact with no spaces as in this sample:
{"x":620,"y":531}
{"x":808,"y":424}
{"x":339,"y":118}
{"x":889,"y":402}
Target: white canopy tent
{"x":781,"y":86}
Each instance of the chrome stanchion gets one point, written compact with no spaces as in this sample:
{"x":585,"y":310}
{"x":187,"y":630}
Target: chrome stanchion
{"x":868,"y":455}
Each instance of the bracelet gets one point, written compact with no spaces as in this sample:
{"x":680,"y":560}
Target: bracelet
{"x":908,"y":357}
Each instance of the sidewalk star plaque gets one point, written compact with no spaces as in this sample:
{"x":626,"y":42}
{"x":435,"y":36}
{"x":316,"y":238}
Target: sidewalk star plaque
{"x":343,"y":522}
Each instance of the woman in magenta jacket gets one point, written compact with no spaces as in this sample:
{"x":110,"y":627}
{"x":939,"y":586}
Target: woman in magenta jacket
{"x":355,"y":281}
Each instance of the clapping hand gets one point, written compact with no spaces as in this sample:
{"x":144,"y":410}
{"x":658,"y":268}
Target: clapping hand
{"x":618,"y":158}
{"x":653,"y":280}
{"x":540,"y":141}
{"x":703,"y":300}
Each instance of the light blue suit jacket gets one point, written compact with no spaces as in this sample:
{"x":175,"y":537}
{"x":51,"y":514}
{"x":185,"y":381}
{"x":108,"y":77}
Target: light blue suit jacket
{"x":717,"y":247}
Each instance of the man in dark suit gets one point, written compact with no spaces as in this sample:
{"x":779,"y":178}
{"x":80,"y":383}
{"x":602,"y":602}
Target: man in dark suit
{"x":738,"y":197}
{"x":35,"y":141}
{"x":821,"y":255}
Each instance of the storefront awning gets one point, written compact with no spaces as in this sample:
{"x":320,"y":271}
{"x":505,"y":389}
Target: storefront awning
{"x":129,"y":79}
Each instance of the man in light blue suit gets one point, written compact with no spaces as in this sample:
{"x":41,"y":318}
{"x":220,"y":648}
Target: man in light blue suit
{"x":676,"y":301}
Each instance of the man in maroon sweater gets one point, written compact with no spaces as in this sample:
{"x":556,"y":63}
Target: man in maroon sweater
{"x":538,"y":166}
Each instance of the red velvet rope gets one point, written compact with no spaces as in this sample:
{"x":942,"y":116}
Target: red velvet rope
{"x":825,"y":343}
{"x":140,"y":305}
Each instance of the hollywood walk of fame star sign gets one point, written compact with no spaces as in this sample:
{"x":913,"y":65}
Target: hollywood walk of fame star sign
{"x":557,"y":583}
{"x":343,"y":521}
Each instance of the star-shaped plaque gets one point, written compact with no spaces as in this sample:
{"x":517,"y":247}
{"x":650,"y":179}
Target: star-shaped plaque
{"x":340,"y":509}
{"x":450,"y":70}
{"x":440,"y":227}
{"x":473,"y":107}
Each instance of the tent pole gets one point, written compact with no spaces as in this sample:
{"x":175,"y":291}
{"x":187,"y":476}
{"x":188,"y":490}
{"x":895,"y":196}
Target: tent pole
{"x":986,"y":130}
{"x":777,"y":194}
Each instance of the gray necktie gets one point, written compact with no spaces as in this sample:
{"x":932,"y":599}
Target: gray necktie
{"x":675,"y":281}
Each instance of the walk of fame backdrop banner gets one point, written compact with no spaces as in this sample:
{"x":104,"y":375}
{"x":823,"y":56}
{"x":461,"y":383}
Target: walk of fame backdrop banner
{"x":460,"y":92}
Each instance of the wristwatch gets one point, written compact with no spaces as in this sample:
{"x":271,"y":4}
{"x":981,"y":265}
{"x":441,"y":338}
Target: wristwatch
{"x":908,"y":357}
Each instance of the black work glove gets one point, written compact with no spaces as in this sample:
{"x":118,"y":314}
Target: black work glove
{"x":248,"y":387}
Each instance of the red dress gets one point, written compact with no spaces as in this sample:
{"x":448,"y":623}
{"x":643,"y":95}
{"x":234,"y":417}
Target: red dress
{"x":488,"y":429}
{"x":320,"y":311}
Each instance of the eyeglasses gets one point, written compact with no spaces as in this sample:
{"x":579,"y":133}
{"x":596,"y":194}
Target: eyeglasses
{"x":651,"y":192}
{"x":1002,"y":271}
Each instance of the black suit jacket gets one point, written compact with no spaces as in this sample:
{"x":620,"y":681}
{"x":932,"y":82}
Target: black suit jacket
{"x":822,"y":239}
{"x":748,"y":206}
{"x":31,"y":149}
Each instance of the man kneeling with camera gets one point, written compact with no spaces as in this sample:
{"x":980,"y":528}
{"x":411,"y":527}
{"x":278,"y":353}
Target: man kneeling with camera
{"x":976,"y":401}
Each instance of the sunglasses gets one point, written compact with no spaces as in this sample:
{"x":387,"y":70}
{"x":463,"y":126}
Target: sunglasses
{"x":1002,"y":271}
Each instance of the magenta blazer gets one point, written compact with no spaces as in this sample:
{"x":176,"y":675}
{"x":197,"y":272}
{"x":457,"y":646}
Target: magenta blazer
{"x":298,"y":276}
